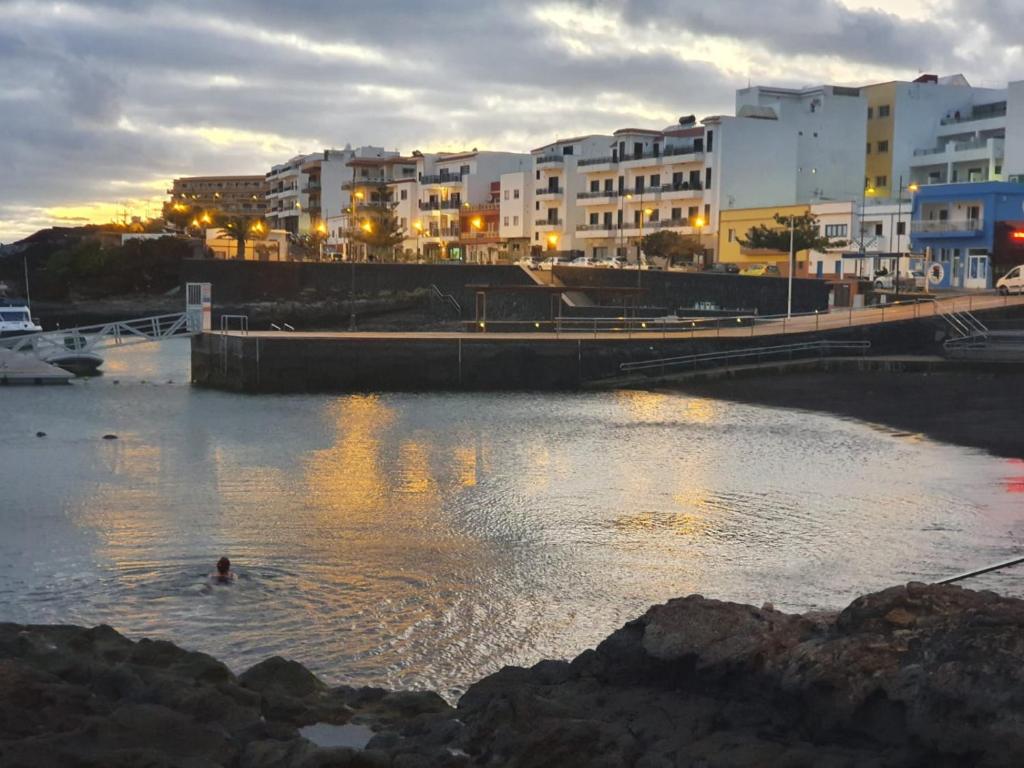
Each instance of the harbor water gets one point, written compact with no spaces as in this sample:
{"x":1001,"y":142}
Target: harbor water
{"x":424,"y":540}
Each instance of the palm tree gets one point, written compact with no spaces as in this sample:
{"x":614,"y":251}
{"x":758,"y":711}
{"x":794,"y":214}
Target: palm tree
{"x":239,"y":228}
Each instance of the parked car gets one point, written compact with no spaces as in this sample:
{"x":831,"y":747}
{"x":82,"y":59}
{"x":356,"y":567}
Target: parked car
{"x":883,"y":280}
{"x":554,"y":261}
{"x":1012,"y":281}
{"x":529,"y":262}
{"x":761,"y":270}
{"x":610,"y":262}
{"x":723,"y":267}
{"x":582,"y":261}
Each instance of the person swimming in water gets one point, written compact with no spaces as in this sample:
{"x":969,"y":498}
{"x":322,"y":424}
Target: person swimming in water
{"x":223,"y":574}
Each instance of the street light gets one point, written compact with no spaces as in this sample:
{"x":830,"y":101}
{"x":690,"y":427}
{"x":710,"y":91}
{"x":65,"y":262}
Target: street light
{"x":912,"y":187}
{"x":698,"y":224}
{"x":476,"y":223}
{"x":552,"y":241}
{"x":867,"y":192}
{"x":418,"y":226}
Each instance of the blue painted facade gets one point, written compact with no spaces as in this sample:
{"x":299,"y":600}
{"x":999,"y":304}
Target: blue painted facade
{"x":959,"y":223}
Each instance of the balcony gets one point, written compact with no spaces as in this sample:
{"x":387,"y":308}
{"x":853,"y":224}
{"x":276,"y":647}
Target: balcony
{"x":440,"y":205}
{"x":442,"y":232}
{"x":441,"y":178}
{"x":550,"y":159}
{"x":547,"y":191}
{"x":946,"y":227}
{"x":375,"y":182}
{"x":684,"y":187}
{"x":548,"y":222}
{"x":596,"y":161}
{"x":480,"y":207}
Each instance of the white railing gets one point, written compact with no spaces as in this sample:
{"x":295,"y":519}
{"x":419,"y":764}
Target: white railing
{"x":87,"y":338}
{"x":947,"y":225}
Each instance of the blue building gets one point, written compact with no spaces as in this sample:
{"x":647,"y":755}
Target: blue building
{"x":962,"y":228}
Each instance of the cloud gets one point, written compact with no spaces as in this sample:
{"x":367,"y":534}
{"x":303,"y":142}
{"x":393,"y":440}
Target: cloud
{"x":102,"y":98}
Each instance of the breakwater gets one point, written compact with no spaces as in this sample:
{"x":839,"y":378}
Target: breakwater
{"x":912,"y":675}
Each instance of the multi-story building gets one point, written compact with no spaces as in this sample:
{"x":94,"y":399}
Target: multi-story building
{"x":828,"y":127}
{"x":446,"y":182}
{"x":229,"y":195}
{"x":375,"y":189}
{"x":307,"y":191}
{"x":515,"y":212}
{"x":479,"y":224}
{"x":930,"y":131}
{"x":556,"y":214}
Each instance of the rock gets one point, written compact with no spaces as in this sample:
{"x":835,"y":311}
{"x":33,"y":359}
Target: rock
{"x":281,"y":676}
{"x":110,"y":436}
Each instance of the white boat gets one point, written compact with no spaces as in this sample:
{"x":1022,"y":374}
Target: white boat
{"x":75,"y":357}
{"x":15,"y":319}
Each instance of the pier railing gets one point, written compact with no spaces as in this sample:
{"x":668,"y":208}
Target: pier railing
{"x":720,"y":358}
{"x":87,"y":338}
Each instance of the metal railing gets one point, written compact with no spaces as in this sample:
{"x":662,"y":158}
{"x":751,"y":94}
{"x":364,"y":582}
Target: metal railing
{"x":789,"y":350}
{"x":87,"y":338}
{"x":439,"y":178}
{"x":947,"y":225}
{"x":548,"y":222}
{"x":598,"y":193}
{"x":446,"y":298}
{"x":549,"y":191}
{"x":549,"y":159}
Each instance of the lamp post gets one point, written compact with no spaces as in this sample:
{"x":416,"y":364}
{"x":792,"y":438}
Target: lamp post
{"x":476,"y":223}
{"x":912,"y":187}
{"x":622,"y":224}
{"x":698,"y":224}
{"x":789,"y":279}
{"x":868,"y":190}
{"x":418,"y":226}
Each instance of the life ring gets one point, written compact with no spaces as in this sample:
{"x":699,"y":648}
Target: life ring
{"x":936,"y":272}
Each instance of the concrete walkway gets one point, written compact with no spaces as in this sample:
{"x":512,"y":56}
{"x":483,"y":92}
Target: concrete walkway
{"x":744,"y":327}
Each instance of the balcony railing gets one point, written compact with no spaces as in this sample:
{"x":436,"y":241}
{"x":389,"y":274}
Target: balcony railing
{"x":595,"y":227}
{"x":946,"y":225}
{"x":599,"y":193}
{"x":596,"y":160}
{"x":549,"y":191}
{"x":548,"y":222}
{"x":442,"y":205}
{"x":973,"y":118}
{"x":478,"y":207}
{"x":672,"y":150}
{"x":442,"y":232}
{"x":958,"y":146}
{"x":685,"y":186}
{"x":550,"y":159}
{"x":441,"y":178}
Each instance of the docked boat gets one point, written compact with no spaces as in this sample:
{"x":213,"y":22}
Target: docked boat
{"x":15,"y":319}
{"x":75,"y":356}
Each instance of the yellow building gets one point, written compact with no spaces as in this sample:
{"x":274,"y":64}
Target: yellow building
{"x":881,"y":119}
{"x":733,"y":226}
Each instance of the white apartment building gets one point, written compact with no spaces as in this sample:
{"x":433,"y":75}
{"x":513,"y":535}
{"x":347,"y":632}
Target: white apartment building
{"x":516,"y":212}
{"x":449,"y":182}
{"x":872,"y":234}
{"x":557,"y":180}
{"x":307,"y":190}
{"x":828,"y":126}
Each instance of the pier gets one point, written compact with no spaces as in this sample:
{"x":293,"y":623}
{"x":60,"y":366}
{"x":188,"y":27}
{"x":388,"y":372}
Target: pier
{"x":553,"y":355}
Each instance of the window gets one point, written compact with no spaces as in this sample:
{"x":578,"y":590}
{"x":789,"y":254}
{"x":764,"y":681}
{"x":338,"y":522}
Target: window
{"x":595,"y":185}
{"x":881,"y":181}
{"x":691,"y":212}
{"x":878,"y":230}
{"x":901,"y":228}
{"x":538,"y":175}
{"x":536,"y":205}
{"x":711,"y":137}
{"x":883,"y":110}
{"x":839,"y":267}
{"x":707,"y":178}
{"x":868,"y":150}
{"x":655,"y":179}
{"x":607,"y":218}
{"x":463,"y":170}
{"x":402,"y":222}
{"x":567,"y":150}
{"x":404,"y":194}
{"x":732,"y":235}
{"x":677,"y":214}
{"x":655,"y":215}
{"x":707,"y":213}
{"x":638,"y":183}
{"x":515,"y":194}
{"x":506,"y":221}
{"x":883,"y":147}
{"x":608,"y":185}
{"x":638,"y":149}
{"x":506,"y":194}
{"x":593,"y":219}
{"x":871,"y":113}
{"x":835,"y":230}
{"x":515,"y":221}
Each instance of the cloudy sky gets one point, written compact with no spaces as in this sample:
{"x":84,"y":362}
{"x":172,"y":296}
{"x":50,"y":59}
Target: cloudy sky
{"x":102,"y":102}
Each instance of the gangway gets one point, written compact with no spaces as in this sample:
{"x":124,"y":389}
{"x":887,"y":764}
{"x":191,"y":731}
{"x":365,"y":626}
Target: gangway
{"x":86,"y":339}
{"x":89,"y":338}
{"x":721,"y":358}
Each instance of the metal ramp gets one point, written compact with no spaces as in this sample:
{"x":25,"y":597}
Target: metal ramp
{"x":89,"y":338}
{"x":723,"y":358}
{"x":973,"y":340}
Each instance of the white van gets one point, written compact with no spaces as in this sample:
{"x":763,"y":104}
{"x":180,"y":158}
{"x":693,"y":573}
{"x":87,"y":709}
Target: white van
{"x":1012,"y":281}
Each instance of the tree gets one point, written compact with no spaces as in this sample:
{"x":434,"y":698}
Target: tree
{"x":380,"y":233}
{"x":239,"y":228}
{"x":806,"y":235}
{"x":671,"y":246}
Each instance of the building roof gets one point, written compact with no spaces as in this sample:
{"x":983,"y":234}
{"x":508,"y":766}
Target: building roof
{"x":645,"y":131}
{"x":557,"y":142}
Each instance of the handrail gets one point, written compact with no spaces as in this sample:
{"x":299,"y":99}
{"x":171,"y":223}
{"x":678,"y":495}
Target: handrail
{"x":447,"y":298}
{"x":979,"y":571}
{"x":118,"y":333}
{"x":811,"y":346}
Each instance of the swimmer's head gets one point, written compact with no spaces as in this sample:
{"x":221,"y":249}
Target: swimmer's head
{"x":223,"y":566}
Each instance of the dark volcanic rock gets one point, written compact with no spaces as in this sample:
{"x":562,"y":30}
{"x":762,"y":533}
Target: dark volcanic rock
{"x":913,"y":676}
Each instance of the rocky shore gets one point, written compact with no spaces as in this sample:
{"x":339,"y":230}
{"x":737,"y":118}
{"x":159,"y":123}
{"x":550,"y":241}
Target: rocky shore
{"x":916,"y":675}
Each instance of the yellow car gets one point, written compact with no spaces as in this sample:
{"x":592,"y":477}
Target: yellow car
{"x":761,"y":270}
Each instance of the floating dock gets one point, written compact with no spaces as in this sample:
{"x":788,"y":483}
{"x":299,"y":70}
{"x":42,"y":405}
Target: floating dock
{"x":22,"y":368}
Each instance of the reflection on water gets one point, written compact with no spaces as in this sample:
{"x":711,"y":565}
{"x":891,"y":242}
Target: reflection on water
{"x":424,"y":540}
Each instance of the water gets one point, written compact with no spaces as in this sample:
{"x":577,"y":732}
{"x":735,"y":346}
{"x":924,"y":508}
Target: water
{"x":425,"y":540}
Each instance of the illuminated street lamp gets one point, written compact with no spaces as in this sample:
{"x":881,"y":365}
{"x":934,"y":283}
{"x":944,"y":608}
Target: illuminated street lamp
{"x":552,"y":241}
{"x":698,"y":224}
{"x":418,"y":226}
{"x":912,"y":187}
